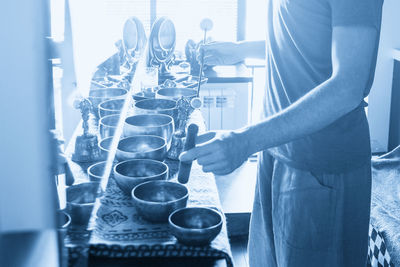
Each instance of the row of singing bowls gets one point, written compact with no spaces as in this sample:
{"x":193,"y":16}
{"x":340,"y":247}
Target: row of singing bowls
{"x":176,"y":93}
{"x":150,"y":124}
{"x":98,"y":96}
{"x":142,"y":147}
{"x":156,"y":200}
{"x":111,"y":107}
{"x":130,"y":173}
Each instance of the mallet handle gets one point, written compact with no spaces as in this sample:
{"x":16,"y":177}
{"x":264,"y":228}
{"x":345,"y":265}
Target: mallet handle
{"x":185,"y":167}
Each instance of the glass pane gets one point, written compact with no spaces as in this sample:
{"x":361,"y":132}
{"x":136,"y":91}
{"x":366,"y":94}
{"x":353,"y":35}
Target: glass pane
{"x":96,"y":26}
{"x":187,"y":15}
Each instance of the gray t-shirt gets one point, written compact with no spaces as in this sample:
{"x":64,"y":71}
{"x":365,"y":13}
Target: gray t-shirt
{"x":299,"y":59}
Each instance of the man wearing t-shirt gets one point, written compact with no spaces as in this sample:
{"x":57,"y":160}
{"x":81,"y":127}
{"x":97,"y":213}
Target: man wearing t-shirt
{"x":313,"y":190}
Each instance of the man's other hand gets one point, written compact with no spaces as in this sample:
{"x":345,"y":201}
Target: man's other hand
{"x":219,"y":53}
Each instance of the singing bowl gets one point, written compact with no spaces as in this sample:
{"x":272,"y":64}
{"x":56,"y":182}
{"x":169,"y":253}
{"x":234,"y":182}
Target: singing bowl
{"x":130,"y":173}
{"x":162,"y":40}
{"x":142,"y":147}
{"x":80,"y":201}
{"x":150,"y":124}
{"x":111,"y":107}
{"x":156,"y":200}
{"x":104,"y":146}
{"x":97,"y":96}
{"x":63,"y":219}
{"x":140,"y":96}
{"x":108,"y":125}
{"x":195,"y":225}
{"x":134,"y":37}
{"x":96,"y":171}
{"x":157,"y":106}
{"x":176,"y":93}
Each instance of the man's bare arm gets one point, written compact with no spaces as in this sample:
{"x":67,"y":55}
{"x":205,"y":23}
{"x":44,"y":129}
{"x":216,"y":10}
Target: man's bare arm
{"x":352,"y":54}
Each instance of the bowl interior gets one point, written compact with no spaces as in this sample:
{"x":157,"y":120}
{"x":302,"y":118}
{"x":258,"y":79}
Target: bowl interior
{"x":64,"y":219}
{"x":141,"y":168}
{"x":107,"y":93}
{"x":149,"y":120}
{"x":196,"y":218}
{"x":112,"y":104}
{"x":97,"y":169}
{"x":177,"y":92}
{"x":156,"y":104}
{"x":141,"y":143}
{"x":110,"y":120}
{"x":160,"y":191}
{"x":105,"y":144}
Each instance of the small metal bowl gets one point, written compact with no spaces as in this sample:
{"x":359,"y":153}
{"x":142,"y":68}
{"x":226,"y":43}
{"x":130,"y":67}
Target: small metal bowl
{"x":63,"y":219}
{"x":108,"y":125}
{"x":150,"y":124}
{"x":97,"y":96}
{"x":104,"y":146}
{"x":142,"y":147}
{"x":157,"y":106}
{"x":176,"y":93}
{"x":156,"y":200}
{"x":80,"y":201}
{"x":130,"y":173}
{"x":195,"y":225}
{"x":96,"y":171}
{"x":111,"y":107}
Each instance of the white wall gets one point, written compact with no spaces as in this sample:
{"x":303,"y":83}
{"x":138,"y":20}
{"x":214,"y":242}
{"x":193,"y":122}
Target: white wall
{"x":27,"y":188}
{"x":380,"y":96}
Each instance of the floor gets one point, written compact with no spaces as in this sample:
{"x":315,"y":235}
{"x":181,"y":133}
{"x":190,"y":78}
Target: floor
{"x":239,"y":251}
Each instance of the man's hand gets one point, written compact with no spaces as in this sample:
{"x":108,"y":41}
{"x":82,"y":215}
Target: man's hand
{"x":219,"y":152}
{"x":220,"y":53}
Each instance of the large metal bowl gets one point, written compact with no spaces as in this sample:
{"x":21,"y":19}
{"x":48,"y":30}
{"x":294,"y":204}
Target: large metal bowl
{"x":195,"y":225}
{"x":130,"y":173}
{"x":150,"y":124}
{"x":142,"y":147}
{"x":176,"y":93}
{"x":111,"y":107}
{"x":156,"y":200}
{"x":108,"y":125}
{"x":97,"y":96}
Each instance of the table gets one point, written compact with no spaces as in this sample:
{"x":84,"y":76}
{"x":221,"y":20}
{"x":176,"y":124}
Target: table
{"x":128,"y":239}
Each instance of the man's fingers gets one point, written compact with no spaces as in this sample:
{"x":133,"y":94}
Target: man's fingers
{"x":194,"y":153}
{"x":206,"y":160}
{"x":205,"y":137}
{"x":222,"y":172}
{"x":216,"y":167}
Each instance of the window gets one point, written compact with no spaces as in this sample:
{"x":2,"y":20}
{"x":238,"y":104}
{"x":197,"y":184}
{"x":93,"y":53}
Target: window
{"x":187,"y":15}
{"x":97,"y":25}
